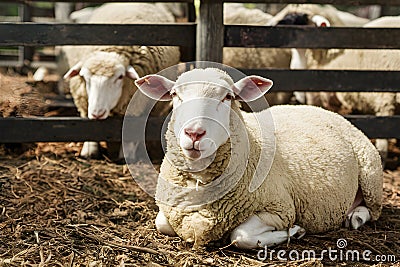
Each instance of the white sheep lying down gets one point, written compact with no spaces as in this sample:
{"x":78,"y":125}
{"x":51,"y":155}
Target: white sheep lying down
{"x":316,"y":168}
{"x":101,"y":77}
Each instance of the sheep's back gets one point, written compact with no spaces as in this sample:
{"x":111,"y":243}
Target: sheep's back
{"x":316,"y":165}
{"x":126,"y":13}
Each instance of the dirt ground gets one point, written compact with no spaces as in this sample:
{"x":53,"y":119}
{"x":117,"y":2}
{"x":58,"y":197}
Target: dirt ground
{"x":57,"y":209}
{"x":21,"y":96}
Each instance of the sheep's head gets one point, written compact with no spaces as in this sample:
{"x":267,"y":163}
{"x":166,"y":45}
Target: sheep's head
{"x":310,"y":15}
{"x":202,"y":101}
{"x":303,"y":14}
{"x":104,"y":74}
{"x":304,"y":19}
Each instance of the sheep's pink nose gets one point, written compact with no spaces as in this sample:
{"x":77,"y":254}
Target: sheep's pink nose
{"x":98,"y":115}
{"x":195,"y":134}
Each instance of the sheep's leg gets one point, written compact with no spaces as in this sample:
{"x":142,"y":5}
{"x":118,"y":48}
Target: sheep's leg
{"x":383,"y":105}
{"x":382,"y":146}
{"x":300,"y":97}
{"x":358,"y":217}
{"x":254,"y":233}
{"x":134,"y":151}
{"x":163,"y":226}
{"x":114,"y":151}
{"x":90,"y":150}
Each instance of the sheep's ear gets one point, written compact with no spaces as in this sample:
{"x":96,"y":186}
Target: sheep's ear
{"x":251,"y":88}
{"x":320,"y":21}
{"x":155,"y":86}
{"x":131,"y":73}
{"x":73,"y":71}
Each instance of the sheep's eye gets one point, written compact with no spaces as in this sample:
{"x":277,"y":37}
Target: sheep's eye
{"x":228,"y":97}
{"x":175,"y":96}
{"x":120,"y":77}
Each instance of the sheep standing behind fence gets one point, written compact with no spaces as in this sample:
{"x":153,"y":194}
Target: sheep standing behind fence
{"x":377,"y":103}
{"x":102,"y":76}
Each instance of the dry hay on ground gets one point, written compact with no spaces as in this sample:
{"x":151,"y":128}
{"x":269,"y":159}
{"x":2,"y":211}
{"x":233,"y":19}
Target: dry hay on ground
{"x":60,"y":210}
{"x":22,"y":97}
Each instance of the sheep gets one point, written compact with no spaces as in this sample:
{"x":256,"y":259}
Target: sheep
{"x":310,"y":10}
{"x":255,"y":58}
{"x":377,"y":103}
{"x":335,"y":16}
{"x":309,"y":15}
{"x":277,"y":57}
{"x":176,"y":9}
{"x":82,"y":15}
{"x":101,"y":77}
{"x":262,"y":177}
{"x":351,"y":20}
{"x":235,"y":13}
{"x":307,"y":12}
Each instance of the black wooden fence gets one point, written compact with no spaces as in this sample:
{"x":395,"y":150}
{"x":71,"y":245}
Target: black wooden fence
{"x":212,"y":36}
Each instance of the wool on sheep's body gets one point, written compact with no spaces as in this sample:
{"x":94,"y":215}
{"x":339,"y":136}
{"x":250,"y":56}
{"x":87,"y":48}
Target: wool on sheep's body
{"x":256,"y":58}
{"x":319,"y":163}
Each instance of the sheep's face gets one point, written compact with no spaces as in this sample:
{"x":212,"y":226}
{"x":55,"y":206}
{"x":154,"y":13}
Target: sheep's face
{"x":304,"y":19}
{"x":202,"y":102}
{"x":299,"y":58}
{"x":201,"y":113}
{"x":103,"y":91}
{"x":104,"y":78}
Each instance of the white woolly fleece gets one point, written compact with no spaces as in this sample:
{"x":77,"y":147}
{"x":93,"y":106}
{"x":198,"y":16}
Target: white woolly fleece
{"x":319,"y":163}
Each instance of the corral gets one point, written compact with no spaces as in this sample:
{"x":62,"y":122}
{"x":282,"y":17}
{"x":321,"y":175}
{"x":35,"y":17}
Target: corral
{"x":59,"y":209}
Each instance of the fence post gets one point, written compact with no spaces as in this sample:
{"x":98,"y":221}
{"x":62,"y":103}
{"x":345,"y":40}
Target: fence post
{"x":25,"y":52}
{"x":210,"y":38}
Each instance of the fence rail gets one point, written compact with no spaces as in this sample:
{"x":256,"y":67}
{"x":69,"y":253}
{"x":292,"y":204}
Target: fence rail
{"x":75,"y":129}
{"x":330,"y":80}
{"x":41,"y":34}
{"x":311,"y":37}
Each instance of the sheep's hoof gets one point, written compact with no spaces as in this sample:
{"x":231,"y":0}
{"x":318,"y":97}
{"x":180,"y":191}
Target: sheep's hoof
{"x":357,"y":218}
{"x":90,"y":150}
{"x":163,"y":226}
{"x":297,"y":232}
